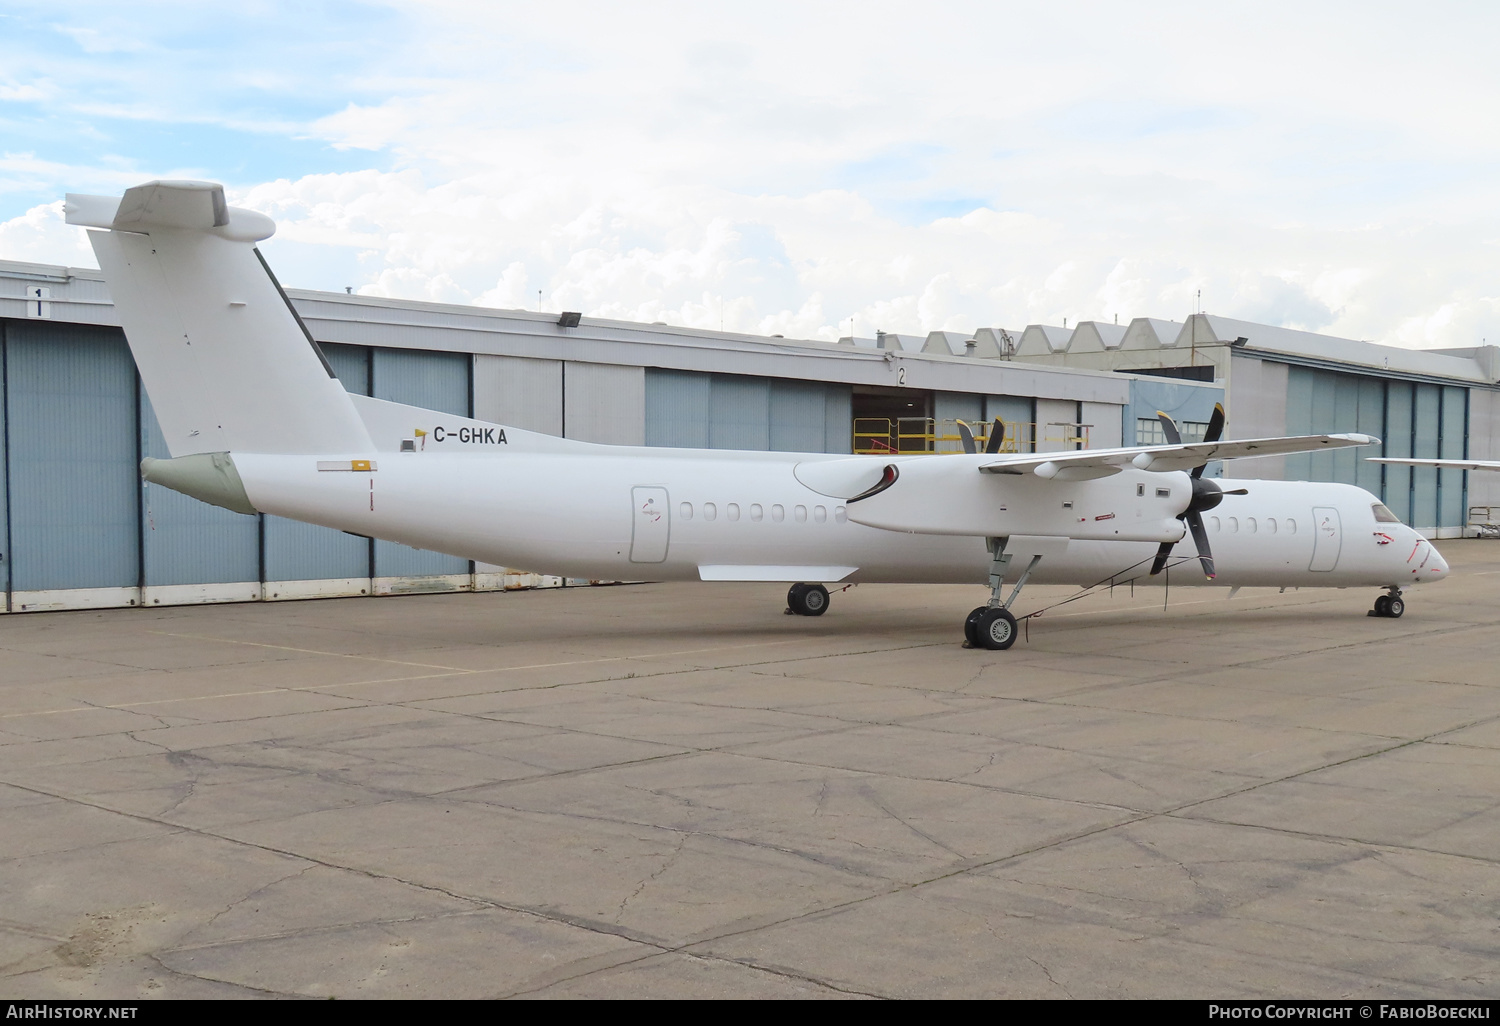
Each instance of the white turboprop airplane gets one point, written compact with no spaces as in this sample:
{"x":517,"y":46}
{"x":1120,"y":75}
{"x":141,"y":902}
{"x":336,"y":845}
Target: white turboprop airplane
{"x":255,"y":421}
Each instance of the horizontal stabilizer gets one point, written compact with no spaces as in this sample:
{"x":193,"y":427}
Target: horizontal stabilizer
{"x":192,"y":206}
{"x":198,"y":205}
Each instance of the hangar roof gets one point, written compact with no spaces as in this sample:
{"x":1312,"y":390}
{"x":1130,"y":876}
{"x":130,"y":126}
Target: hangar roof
{"x":79,"y":295}
{"x":1267,"y":340}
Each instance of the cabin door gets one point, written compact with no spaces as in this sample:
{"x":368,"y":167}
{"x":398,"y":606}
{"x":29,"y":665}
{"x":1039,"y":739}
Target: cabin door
{"x":652,"y":527}
{"x":1327,"y":538}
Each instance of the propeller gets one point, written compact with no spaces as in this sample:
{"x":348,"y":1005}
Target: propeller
{"x":992,"y":445}
{"x":1206,"y":494}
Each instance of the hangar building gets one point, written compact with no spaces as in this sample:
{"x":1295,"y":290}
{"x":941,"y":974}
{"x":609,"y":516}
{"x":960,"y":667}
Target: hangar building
{"x":79,"y":529}
{"x":1434,"y":404}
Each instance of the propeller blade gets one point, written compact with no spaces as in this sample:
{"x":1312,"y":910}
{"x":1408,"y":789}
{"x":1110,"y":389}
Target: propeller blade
{"x":1238,"y":491}
{"x":1162,"y":555}
{"x":968,"y":438}
{"x":1169,"y":428}
{"x":1215,"y":424}
{"x":1200,"y":538}
{"x":1211,"y":433}
{"x":996,"y":439}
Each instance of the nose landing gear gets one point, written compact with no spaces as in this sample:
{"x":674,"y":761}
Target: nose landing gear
{"x":807,"y":600}
{"x":1389,"y":605}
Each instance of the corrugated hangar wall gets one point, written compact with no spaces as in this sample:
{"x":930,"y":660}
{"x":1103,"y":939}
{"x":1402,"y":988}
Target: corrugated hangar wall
{"x":1413,"y":419}
{"x":433,"y":381}
{"x":5,"y":549}
{"x":72,"y":414}
{"x":79,"y":529}
{"x":689,"y":409}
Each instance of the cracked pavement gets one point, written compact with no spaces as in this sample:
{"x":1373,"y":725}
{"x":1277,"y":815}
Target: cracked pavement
{"x":677,"y":791}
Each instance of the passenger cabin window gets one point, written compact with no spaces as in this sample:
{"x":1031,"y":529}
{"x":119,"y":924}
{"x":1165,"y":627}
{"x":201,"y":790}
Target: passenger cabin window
{"x":756,"y":512}
{"x":778,"y":514}
{"x":1213,"y":522}
{"x":799,"y":514}
{"x":840,"y":515}
{"x":1234,"y":525}
{"x":710,"y":511}
{"x":1250,"y":525}
{"x":1384,"y":515}
{"x":1270,"y":525}
{"x":1291,"y":526}
{"x":820,"y":514}
{"x":687,"y":511}
{"x":732,"y":511}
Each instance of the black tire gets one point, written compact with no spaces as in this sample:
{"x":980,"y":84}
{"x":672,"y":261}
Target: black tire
{"x":1383,"y":606}
{"x":996,"y":629}
{"x":970,"y":624}
{"x":1394,"y":607}
{"x":807,"y":599}
{"x":814,"y":600}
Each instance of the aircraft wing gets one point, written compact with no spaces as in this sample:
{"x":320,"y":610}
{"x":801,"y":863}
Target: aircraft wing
{"x":942,"y":494}
{"x":1455,"y":464}
{"x":1083,"y":464}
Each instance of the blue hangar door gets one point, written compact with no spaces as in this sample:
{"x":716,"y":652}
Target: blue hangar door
{"x":70,"y":401}
{"x":434,"y":381}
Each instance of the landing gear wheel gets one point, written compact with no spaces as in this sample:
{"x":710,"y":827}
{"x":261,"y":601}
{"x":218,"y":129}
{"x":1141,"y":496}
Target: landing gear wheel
{"x":807,"y":599}
{"x":971,"y":623}
{"x":1383,"y":606}
{"x":995,"y":629}
{"x":1394,"y":606}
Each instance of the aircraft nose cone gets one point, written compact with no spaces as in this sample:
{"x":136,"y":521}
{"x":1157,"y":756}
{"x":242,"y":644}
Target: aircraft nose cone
{"x":1436,"y":567}
{"x":1425,"y":562}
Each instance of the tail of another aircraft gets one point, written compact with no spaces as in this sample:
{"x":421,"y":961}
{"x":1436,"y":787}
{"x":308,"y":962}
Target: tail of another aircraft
{"x":227,"y":362}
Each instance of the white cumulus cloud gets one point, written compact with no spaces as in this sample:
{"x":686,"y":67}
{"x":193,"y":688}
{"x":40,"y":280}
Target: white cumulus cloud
{"x":792,"y":167}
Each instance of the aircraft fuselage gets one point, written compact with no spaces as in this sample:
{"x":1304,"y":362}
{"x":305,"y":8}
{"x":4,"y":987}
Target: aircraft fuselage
{"x":663,"y":514}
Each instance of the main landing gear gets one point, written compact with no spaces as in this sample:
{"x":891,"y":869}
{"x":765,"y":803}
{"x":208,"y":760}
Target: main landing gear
{"x":807,"y":600}
{"x":1389,"y":605}
{"x":992,"y":626}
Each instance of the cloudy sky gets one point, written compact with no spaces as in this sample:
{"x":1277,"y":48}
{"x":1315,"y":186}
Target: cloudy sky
{"x":797,"y":167}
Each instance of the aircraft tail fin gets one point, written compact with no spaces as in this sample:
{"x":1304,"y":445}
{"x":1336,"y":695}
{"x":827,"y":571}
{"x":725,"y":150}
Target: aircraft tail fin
{"x":228,"y":364}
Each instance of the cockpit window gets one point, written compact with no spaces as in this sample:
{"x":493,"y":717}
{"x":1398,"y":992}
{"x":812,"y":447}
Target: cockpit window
{"x":1384,"y":515}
